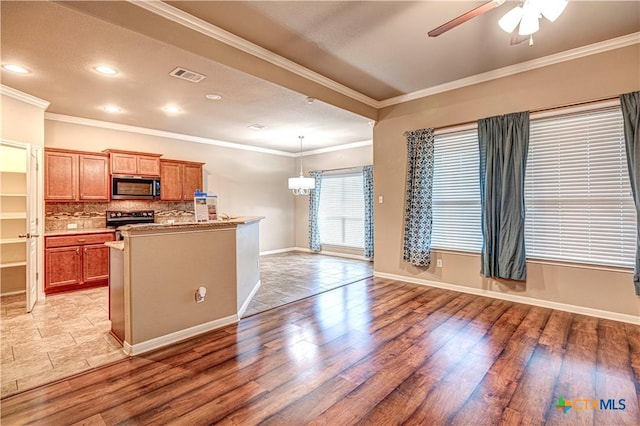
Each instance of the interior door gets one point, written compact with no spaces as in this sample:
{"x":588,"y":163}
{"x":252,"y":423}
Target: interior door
{"x":34,"y":193}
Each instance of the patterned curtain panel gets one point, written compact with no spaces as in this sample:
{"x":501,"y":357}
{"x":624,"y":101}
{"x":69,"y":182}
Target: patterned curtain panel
{"x":417,"y":211}
{"x":503,"y":142}
{"x":631,"y":114}
{"x":314,"y":207}
{"x":367,"y":180}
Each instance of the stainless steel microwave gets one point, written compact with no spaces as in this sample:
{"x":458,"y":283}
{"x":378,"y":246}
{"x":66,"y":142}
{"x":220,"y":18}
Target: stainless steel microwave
{"x":135,"y":187}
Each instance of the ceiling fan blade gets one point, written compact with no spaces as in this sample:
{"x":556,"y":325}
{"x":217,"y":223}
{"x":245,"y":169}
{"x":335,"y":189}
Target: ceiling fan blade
{"x":465,"y":17}
{"x":516,"y":38}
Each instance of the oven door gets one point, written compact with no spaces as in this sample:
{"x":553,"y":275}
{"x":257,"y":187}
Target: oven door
{"x":135,"y":188}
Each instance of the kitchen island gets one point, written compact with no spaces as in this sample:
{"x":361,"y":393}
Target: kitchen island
{"x":156,"y":272}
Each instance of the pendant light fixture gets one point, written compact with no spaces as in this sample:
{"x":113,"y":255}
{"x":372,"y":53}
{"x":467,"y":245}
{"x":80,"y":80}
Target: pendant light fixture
{"x":301,"y":185}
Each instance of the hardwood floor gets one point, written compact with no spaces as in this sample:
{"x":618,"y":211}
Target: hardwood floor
{"x":372,"y":352}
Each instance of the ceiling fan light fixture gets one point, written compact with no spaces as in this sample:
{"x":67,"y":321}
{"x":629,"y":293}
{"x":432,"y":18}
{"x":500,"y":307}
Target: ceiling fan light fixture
{"x":511,"y":19}
{"x":529,"y":23}
{"x":552,"y":9}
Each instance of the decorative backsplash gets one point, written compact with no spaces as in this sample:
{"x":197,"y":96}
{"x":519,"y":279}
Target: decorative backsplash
{"x":92,"y":215}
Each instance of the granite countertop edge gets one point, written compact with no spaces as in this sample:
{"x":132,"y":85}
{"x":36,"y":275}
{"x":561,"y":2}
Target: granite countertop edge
{"x":241,"y":220}
{"x":62,"y":232}
{"x":118,"y":245}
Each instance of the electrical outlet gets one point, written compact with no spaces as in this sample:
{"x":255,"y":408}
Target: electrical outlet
{"x":171,"y":221}
{"x":439,"y":263}
{"x":72,"y":226}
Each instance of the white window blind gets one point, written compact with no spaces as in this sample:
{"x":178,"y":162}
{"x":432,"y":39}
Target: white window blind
{"x":456,"y":192}
{"x":341,"y":213}
{"x":577,"y":193}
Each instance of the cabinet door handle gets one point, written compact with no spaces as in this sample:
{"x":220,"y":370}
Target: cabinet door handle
{"x":85,"y":250}
{"x":78,"y":250}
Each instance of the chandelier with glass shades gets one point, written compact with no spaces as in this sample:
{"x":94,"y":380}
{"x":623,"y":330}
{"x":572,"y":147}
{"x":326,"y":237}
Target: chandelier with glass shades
{"x":526,"y":16}
{"x":301,"y":185}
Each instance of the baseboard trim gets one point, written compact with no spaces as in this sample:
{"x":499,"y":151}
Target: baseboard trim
{"x":171,"y":338}
{"x":631,"y":319}
{"x":245,"y":305}
{"x":13,"y":293}
{"x":283,"y":250}
{"x":333,"y":253}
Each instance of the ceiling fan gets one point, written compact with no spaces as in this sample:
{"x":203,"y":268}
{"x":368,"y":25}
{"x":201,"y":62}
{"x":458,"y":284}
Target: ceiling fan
{"x":524,"y":17}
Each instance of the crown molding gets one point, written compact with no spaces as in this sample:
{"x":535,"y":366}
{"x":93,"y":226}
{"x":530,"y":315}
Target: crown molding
{"x":162,"y":133}
{"x":24,"y":97}
{"x":176,"y":15}
{"x":187,"y":20}
{"x":580,"y":52}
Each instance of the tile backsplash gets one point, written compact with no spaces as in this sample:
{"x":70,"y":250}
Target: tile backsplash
{"x":92,"y":215}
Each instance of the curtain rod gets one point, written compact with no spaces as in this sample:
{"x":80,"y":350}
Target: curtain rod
{"x":341,"y":169}
{"x":541,"y":113}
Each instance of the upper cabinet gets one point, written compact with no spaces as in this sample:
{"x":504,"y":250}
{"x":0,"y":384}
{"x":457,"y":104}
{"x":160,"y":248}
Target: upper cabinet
{"x":76,"y":176}
{"x":134,"y":163}
{"x":179,"y":179}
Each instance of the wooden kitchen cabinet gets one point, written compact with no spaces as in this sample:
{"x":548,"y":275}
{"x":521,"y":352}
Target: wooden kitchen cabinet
{"x":134,"y":163}
{"x":179,"y":179}
{"x":60,"y":175}
{"x":76,"y":176}
{"x":74,"y":262}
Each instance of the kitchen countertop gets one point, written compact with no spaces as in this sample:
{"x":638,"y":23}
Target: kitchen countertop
{"x":239,"y":220}
{"x":59,"y":232}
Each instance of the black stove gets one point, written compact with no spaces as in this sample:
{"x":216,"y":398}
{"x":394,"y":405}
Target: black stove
{"x":120,"y":218}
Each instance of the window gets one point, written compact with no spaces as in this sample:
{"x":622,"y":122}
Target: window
{"x":341,"y":213}
{"x":456,"y":192}
{"x":577,"y":193}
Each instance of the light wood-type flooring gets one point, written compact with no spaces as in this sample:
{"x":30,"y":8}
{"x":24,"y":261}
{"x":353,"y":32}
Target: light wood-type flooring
{"x":372,"y":352}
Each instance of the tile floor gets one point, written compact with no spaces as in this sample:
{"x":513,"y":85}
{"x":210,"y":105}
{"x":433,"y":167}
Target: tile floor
{"x":65,"y":334}
{"x":69,"y":333}
{"x":287,"y":277}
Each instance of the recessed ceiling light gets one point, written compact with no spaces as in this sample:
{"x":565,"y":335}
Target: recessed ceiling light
{"x":172,"y":109}
{"x":103,"y":69}
{"x":213,"y":96}
{"x":16,"y":68}
{"x":112,"y":109}
{"x":257,"y":127}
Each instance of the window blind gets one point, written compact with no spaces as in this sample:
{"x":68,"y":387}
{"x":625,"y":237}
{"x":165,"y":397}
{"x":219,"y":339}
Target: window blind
{"x":456,"y":192}
{"x":341,"y":212}
{"x":577,"y":193}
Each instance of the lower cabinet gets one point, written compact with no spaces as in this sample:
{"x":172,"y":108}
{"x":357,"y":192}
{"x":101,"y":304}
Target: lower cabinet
{"x":76,"y":262}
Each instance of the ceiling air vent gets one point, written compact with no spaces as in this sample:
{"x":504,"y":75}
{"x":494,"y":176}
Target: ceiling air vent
{"x":185,"y":74}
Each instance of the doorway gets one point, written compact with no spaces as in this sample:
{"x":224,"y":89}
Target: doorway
{"x":20,"y":222}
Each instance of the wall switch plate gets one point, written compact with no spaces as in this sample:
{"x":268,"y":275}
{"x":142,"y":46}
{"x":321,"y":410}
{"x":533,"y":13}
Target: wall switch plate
{"x":72,"y":226}
{"x":380,"y":199}
{"x":439,"y":263}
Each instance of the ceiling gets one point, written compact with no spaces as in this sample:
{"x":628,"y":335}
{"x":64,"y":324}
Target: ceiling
{"x":352,"y":56}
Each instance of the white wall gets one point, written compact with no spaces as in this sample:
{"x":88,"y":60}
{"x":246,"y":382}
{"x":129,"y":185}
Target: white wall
{"x":246,"y":182}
